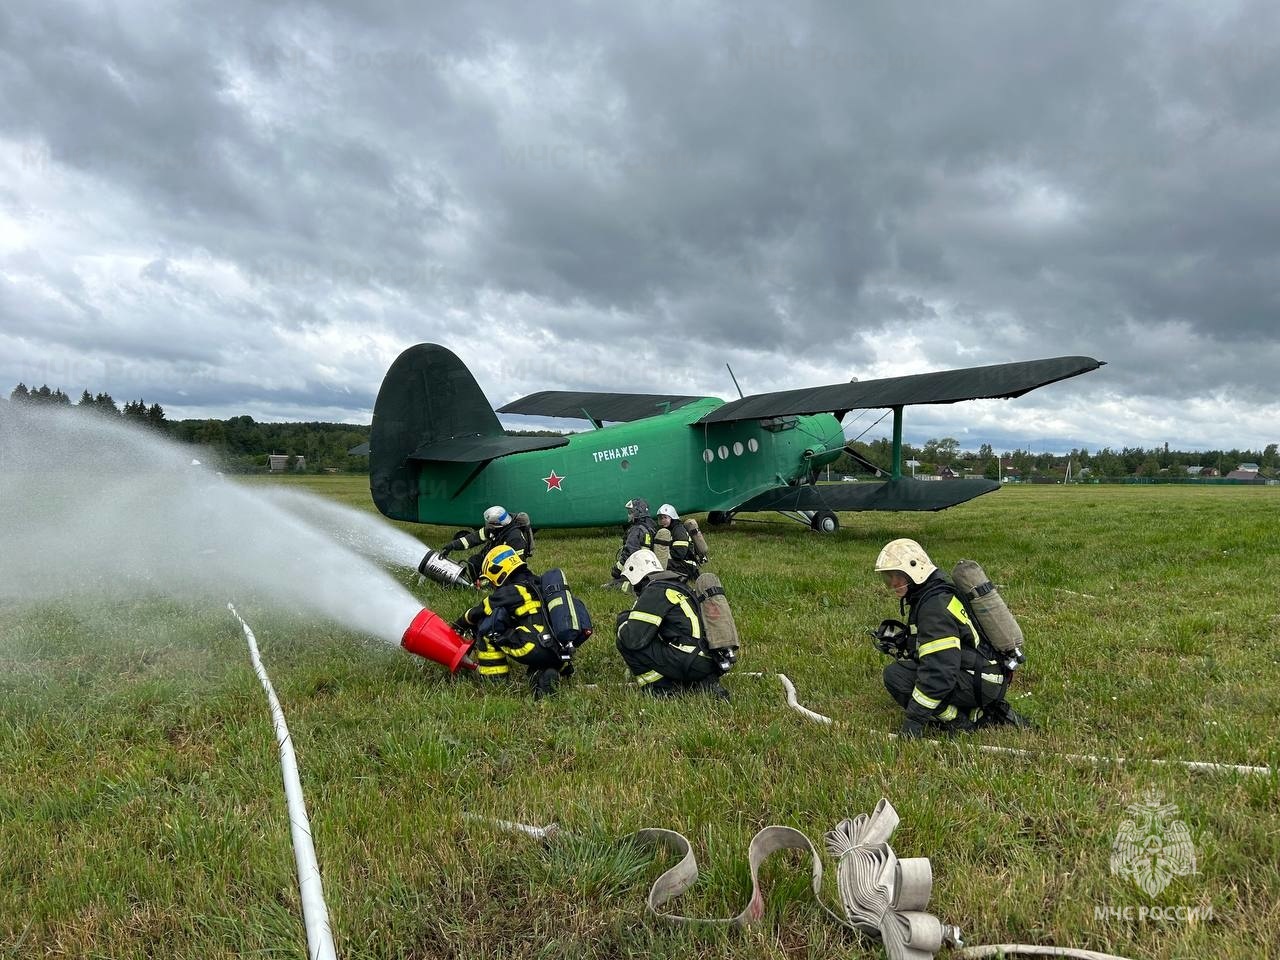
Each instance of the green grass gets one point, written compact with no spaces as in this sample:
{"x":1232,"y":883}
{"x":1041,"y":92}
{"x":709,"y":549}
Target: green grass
{"x":142,"y":814}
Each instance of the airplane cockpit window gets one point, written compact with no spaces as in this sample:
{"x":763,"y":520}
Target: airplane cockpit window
{"x":778,"y":424}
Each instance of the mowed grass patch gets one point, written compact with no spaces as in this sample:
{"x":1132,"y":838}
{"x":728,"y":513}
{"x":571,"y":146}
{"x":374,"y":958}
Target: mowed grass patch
{"x":142,"y":815}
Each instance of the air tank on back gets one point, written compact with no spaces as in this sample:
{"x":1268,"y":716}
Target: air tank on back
{"x":994,"y":617}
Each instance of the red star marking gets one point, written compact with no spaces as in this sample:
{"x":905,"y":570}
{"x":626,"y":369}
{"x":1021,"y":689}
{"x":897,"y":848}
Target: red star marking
{"x":553,"y":482}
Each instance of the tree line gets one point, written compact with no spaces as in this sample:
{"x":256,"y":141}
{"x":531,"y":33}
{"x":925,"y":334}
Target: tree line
{"x":1106,"y":463}
{"x":133,"y":410}
{"x":243,"y":444}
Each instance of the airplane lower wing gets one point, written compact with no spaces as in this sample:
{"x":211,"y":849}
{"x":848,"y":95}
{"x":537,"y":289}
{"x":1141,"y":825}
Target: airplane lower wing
{"x":903,"y":494}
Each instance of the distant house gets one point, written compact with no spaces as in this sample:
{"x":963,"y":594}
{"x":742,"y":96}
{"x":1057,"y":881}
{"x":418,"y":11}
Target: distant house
{"x":1248,"y":467}
{"x":945,"y":473}
{"x":1207,"y":472}
{"x":279,"y":462}
{"x":1242,"y":474}
{"x":359,"y":450}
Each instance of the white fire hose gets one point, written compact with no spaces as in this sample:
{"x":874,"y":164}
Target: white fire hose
{"x":1200,"y":766}
{"x":315,"y":914}
{"x":882,"y":896}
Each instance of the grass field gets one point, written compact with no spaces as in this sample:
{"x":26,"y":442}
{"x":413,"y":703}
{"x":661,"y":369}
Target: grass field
{"x":142,"y":815}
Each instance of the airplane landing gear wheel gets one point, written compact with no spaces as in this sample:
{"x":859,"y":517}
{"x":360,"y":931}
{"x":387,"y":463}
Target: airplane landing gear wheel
{"x":719,"y":518}
{"x":824,"y":521}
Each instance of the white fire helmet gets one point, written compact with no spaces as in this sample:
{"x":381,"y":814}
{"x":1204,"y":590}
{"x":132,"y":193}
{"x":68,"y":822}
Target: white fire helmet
{"x":639,"y":565}
{"x":667,"y":510}
{"x":496,"y":517}
{"x":908,"y":557}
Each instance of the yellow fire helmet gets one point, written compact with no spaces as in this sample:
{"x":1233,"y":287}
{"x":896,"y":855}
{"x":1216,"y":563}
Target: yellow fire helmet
{"x":500,"y":563}
{"x":908,"y":557}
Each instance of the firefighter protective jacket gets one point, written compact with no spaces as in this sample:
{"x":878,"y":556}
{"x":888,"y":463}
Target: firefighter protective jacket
{"x":943,"y":642}
{"x":663,"y":612}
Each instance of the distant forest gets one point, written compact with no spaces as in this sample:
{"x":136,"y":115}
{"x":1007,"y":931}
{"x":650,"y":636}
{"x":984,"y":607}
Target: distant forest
{"x":242,"y":444}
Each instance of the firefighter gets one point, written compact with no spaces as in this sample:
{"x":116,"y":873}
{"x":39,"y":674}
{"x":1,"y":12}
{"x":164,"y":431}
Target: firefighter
{"x":946,"y":676}
{"x":674,"y":535}
{"x":638,"y":535}
{"x":662,"y":637}
{"x":509,"y":624}
{"x":500,"y":528}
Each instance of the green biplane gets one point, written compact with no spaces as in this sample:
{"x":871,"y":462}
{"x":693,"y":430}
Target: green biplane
{"x":439,"y":455}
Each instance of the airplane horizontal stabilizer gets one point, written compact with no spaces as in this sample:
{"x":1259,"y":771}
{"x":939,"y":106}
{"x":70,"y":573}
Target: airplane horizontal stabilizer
{"x":903,"y":494}
{"x":597,"y":407}
{"x":1001,"y":380}
{"x":482,"y":449}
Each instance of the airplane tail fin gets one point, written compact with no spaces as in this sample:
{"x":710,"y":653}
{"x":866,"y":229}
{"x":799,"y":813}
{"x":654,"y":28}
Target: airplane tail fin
{"x":427,"y":396}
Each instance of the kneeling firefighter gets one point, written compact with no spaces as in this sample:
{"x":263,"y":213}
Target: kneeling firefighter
{"x":637,"y":536}
{"x":946,"y":674}
{"x":510,"y":624}
{"x":662,"y":637}
{"x":500,"y":529}
{"x":673,"y":544}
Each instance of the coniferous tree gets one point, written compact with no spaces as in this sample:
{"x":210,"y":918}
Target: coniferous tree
{"x":106,"y":404}
{"x":86,"y":400}
{"x":155,"y":417}
{"x":20,"y":393}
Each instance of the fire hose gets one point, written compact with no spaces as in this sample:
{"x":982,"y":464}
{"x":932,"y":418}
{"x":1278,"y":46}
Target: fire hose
{"x":315,"y":914}
{"x":1200,"y":766}
{"x":882,"y":896}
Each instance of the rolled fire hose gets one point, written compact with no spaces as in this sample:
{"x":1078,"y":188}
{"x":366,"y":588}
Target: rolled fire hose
{"x":882,"y":896}
{"x":315,"y":914}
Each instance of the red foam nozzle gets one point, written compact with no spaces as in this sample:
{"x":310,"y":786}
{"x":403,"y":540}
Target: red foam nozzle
{"x":430,"y":637}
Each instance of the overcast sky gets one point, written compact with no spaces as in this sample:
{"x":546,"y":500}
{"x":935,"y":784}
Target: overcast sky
{"x":240,"y":207}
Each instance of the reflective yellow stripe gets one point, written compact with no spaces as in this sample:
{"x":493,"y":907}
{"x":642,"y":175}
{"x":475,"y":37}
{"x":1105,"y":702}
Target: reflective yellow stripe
{"x":676,"y":597}
{"x":530,"y":605}
{"x":933,"y":646}
{"x":975,"y":714}
{"x":519,"y":651}
{"x":956,"y":608}
{"x":555,"y":603}
{"x":996,"y":678}
{"x":684,"y":647}
{"x":948,"y":714}
{"x":644,"y":617}
{"x":493,"y":671}
{"x":649,"y":676}
{"x":927,"y":702}
{"x":679,"y":543}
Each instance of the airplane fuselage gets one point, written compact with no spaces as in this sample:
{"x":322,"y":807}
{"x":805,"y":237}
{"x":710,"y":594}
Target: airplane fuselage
{"x":662,"y":458}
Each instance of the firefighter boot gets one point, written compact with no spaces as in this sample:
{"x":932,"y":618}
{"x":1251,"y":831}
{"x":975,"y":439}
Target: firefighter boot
{"x":543,"y":682}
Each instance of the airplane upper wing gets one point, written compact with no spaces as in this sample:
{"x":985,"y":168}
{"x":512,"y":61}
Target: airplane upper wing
{"x":947,"y":386}
{"x":598,"y":407}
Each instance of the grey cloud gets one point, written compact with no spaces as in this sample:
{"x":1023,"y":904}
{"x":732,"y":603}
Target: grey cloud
{"x":986,"y":182}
